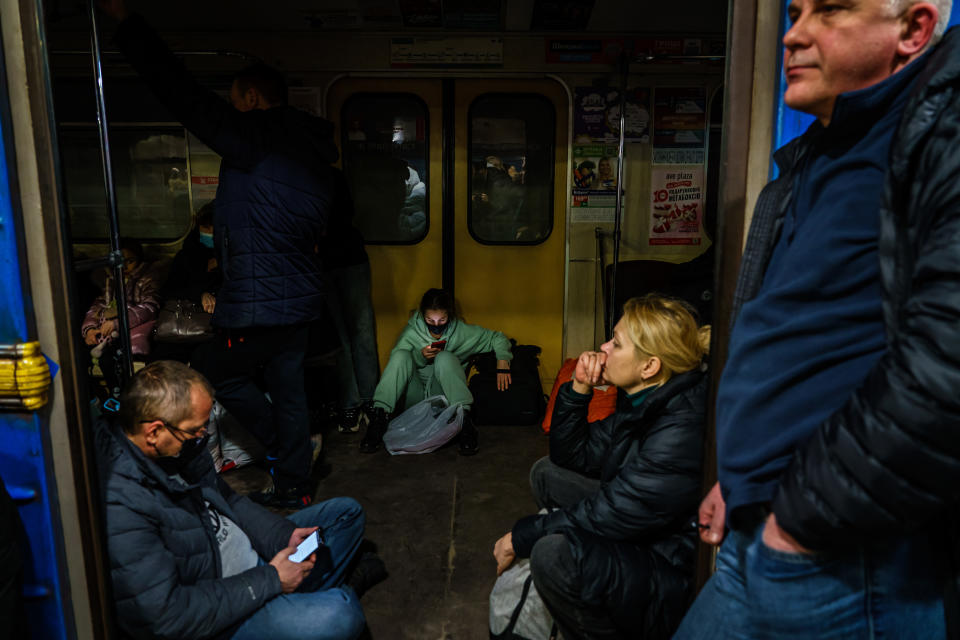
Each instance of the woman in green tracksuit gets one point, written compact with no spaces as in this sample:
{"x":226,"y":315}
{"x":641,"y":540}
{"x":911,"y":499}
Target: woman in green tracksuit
{"x":428,"y":360}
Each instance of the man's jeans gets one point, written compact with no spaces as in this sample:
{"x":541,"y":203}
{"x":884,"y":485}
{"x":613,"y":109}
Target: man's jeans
{"x":348,"y":297}
{"x":321,"y":609}
{"x":886,"y":590}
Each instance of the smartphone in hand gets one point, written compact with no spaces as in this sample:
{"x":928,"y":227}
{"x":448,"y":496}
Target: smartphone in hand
{"x":439,"y":344}
{"x":310,"y":544}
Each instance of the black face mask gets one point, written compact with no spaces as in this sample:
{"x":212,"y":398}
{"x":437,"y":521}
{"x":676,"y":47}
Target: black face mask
{"x":437,"y":329}
{"x":190,"y":449}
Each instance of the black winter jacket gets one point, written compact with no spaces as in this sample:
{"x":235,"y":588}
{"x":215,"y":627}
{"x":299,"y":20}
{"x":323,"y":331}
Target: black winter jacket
{"x":888,"y":462}
{"x":274,"y":195}
{"x":189,"y":277}
{"x":649,"y":460}
{"x":164,"y":559}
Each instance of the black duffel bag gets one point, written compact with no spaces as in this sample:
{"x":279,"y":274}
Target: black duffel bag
{"x":522,"y":403}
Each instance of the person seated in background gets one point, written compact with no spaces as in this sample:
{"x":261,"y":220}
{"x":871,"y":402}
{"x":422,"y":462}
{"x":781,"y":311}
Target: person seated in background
{"x":614,"y":556}
{"x":195,"y":274}
{"x":101,"y":325}
{"x":428,"y":360}
{"x":497,"y":204}
{"x":194,"y":277}
{"x":413,"y":213}
{"x":190,"y":558}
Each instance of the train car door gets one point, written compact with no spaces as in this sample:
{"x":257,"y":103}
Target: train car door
{"x":389,"y":134}
{"x":504,"y":256}
{"x":511,"y":159}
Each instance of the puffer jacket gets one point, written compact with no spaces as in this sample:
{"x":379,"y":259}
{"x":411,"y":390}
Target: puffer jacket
{"x":888,"y":462}
{"x":274,"y":195}
{"x":190,"y":274}
{"x":143,"y":305}
{"x":164,"y":558}
{"x":649,"y":460}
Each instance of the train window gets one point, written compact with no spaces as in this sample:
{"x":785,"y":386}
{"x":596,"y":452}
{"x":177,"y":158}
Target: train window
{"x":511,"y":150}
{"x":151,"y":180}
{"x":385,"y":161}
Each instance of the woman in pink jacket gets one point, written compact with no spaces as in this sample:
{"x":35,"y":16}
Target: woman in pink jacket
{"x":101,"y":325}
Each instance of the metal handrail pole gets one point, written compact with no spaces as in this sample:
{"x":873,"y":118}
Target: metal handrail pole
{"x":116,"y":257}
{"x":618,"y":211}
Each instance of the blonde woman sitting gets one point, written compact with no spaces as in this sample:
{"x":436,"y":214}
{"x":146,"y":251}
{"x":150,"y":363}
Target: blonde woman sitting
{"x":614,"y":557}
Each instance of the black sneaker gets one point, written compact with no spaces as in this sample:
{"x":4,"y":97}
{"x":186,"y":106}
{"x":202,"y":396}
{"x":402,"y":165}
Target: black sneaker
{"x":469,"y":436}
{"x":372,"y":440}
{"x":296,"y":497}
{"x":368,"y":571}
{"x":351,"y":420}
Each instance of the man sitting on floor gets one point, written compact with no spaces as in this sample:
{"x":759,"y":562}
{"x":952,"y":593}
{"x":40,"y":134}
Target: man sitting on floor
{"x":189,"y":557}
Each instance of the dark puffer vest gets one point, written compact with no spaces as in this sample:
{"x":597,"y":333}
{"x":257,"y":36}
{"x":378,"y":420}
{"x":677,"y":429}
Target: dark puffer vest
{"x":275,"y":193}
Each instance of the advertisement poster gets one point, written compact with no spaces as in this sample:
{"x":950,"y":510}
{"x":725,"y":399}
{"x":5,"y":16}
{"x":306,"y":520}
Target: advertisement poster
{"x":596,"y":115}
{"x":204,"y":189}
{"x":594,"y":182}
{"x":677,"y":205}
{"x":679,"y":125}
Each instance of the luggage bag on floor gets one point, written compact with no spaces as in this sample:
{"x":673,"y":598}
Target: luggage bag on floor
{"x":522,"y":402}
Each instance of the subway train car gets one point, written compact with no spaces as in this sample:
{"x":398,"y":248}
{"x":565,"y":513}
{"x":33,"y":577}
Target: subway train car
{"x":543,"y":161}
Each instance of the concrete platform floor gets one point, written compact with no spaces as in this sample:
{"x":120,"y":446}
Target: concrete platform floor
{"x":434,"y":519}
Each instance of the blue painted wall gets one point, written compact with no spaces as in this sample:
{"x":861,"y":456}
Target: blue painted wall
{"x":23,"y":454}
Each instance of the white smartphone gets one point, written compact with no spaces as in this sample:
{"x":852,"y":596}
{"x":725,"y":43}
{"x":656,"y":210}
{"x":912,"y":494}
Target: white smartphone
{"x":310,"y":544}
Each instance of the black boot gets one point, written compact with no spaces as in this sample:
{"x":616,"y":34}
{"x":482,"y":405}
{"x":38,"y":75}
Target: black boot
{"x":284,"y":496}
{"x":379,"y":422}
{"x":469,"y":436}
{"x":368,"y":571}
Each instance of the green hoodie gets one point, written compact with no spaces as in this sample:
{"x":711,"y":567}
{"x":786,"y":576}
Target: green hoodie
{"x":463,"y":340}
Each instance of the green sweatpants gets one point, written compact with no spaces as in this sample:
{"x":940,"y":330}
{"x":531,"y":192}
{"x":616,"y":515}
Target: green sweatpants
{"x":402,"y":378}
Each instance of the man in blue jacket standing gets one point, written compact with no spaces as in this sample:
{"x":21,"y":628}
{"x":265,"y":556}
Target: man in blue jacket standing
{"x":189,"y":558}
{"x":272,"y":206}
{"x":837,"y":410}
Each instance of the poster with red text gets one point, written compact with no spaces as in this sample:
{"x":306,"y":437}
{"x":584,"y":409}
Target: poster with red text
{"x":676,"y":210}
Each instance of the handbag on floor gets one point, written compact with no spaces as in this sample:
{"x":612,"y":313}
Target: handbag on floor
{"x":516,"y":610}
{"x":181,"y":321}
{"x":424,"y":427}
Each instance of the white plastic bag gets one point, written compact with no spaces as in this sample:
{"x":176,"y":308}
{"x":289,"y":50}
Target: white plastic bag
{"x":516,"y":609}
{"x":230,"y":444}
{"x":424,"y":427}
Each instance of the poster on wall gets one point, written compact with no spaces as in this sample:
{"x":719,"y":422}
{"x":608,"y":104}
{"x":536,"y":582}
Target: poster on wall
{"x":596,"y":116}
{"x":204,"y":189}
{"x":676,"y":211}
{"x":594,"y":182}
{"x":679,"y":125}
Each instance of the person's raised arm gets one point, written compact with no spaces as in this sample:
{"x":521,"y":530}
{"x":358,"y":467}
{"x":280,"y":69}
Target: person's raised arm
{"x":575,"y":442}
{"x":230,"y":133}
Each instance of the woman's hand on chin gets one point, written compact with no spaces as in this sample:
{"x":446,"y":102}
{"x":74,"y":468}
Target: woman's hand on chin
{"x":589,"y":371}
